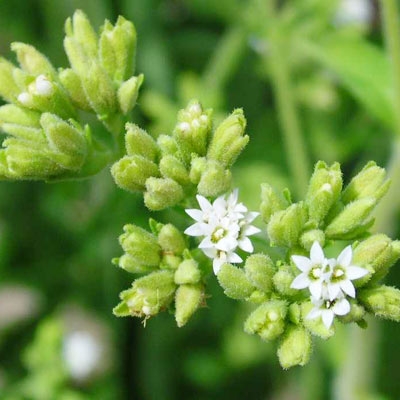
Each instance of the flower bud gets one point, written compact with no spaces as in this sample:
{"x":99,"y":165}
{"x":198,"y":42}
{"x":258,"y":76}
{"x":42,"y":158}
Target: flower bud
{"x":187,"y":272}
{"x":131,"y":264}
{"x":162,"y":193}
{"x":167,"y":144}
{"x":171,"y":240}
{"x":323,"y":191}
{"x":141,"y":245}
{"x":197,"y":167}
{"x":352,"y":220}
{"x":234,"y":281}
{"x":214,"y":180}
{"x":268,"y":320}
{"x":285,"y":227}
{"x":32,"y":61}
{"x":148,"y":295}
{"x":383,"y":301}
{"x":315,"y":326}
{"x":73,"y":84}
{"x":66,"y":139}
{"x":295,"y":347}
{"x":368,"y":183}
{"x":139,"y":142}
{"x":170,"y":261}
{"x":172,"y":167}
{"x":9,"y":89}
{"x":128,"y":93}
{"x":294,"y":313}
{"x":13,"y":115}
{"x":131,"y":172}
{"x":259,"y":270}
{"x":187,"y":300}
{"x":309,"y":237}
{"x":377,"y":254}
{"x":228,"y":140}
{"x":117,"y":47}
{"x":283,"y":279}
{"x":271,"y":202}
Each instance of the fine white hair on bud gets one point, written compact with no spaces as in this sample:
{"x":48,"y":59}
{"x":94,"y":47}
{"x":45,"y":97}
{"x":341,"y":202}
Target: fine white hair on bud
{"x":43,"y":86}
{"x":224,"y":226}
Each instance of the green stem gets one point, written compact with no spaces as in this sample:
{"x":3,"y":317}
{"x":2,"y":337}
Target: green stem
{"x":358,"y":369}
{"x":278,"y":62}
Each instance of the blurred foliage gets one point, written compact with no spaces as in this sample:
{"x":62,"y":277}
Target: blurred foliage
{"x":58,"y":239}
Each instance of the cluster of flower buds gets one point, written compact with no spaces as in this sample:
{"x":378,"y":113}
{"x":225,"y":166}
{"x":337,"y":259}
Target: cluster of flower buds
{"x":193,"y":158}
{"x":46,"y":140}
{"x":173,"y":278}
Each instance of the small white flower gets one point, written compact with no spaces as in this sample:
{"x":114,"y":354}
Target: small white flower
{"x":225,"y":226}
{"x":314,"y":271}
{"x":327,"y":309}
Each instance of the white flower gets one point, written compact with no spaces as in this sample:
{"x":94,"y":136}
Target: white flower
{"x":225,"y":226}
{"x":342,"y":273}
{"x":314,"y":271}
{"x":327,"y":309}
{"x":354,"y":12}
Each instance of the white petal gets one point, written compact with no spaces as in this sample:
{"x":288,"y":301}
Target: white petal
{"x":353,"y":272}
{"x":300,"y":282}
{"x":317,"y":254}
{"x":219,"y":206}
{"x":314,"y":313}
{"x":226,"y":244}
{"x":316,"y":289}
{"x":348,"y":288}
{"x":234,"y":258}
{"x":246,"y":245}
{"x":251,"y":216}
{"x":327,"y":318}
{"x":345,"y":257}
{"x":250,"y":230}
{"x":210,"y":252}
{"x":341,"y":307}
{"x":204,"y":204}
{"x":233,"y":197}
{"x":196,"y":214}
{"x":302,"y":263}
{"x":206,"y":243}
{"x":217,"y":264}
{"x":333,"y":290}
{"x":195,"y":230}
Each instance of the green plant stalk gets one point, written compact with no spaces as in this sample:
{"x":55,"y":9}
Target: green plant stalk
{"x":295,"y":147}
{"x":359,"y":367}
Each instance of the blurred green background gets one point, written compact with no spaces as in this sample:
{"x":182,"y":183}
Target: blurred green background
{"x":324,"y":61}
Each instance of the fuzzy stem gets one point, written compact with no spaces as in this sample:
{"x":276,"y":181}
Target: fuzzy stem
{"x":279,"y":66}
{"x":358,"y":369}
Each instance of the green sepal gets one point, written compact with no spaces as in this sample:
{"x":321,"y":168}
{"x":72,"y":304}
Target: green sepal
{"x":171,"y":239}
{"x":139,"y":142}
{"x":234,"y":281}
{"x":188,"y":299}
{"x":128,"y":93}
{"x":271,"y":202}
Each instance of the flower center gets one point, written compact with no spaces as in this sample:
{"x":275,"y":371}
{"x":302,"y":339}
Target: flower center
{"x":316,"y":272}
{"x":218,"y":234}
{"x":338,"y":273}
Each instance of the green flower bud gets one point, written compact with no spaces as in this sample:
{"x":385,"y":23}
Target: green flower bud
{"x":214,"y":180}
{"x":187,"y":300}
{"x":139,"y":142}
{"x":368,"y":183}
{"x":130,"y":264}
{"x":383,"y":301}
{"x":315,"y":326}
{"x":192,"y":130}
{"x":228,"y":140}
{"x":268,"y":320}
{"x":187,"y":272}
{"x":171,"y":240}
{"x":148,"y":295}
{"x":172,"y":167}
{"x":9,"y":89}
{"x":323,"y":191}
{"x":73,"y":84}
{"x":131,"y":172}
{"x":13,"y":117}
{"x":352,"y":221}
{"x":117,"y":46}
{"x":167,"y":144}
{"x":234,"y":281}
{"x":283,"y":279}
{"x":285,"y":227}
{"x":162,"y":193}
{"x":141,"y":245}
{"x":99,"y":90}
{"x":271,"y":202}
{"x":128,"y":93}
{"x":170,"y":261}
{"x":356,"y":314}
{"x":377,"y":254}
{"x":32,"y":61}
{"x":259,"y":270}
{"x":197,"y":167}
{"x":66,"y":139}
{"x":294,"y":313}
{"x":295,"y":347}
{"x":309,"y":237}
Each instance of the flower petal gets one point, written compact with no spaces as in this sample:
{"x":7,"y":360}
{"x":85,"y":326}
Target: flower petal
{"x":341,"y":307}
{"x":345,"y":257}
{"x":316,"y":289}
{"x":300,"y":282}
{"x":233,"y":258}
{"x":195,"y":230}
{"x":353,"y":272}
{"x":327,"y":318}
{"x":333,"y":290}
{"x":204,"y":204}
{"x":196,"y":214}
{"x":314,"y":313}
{"x":250,"y":230}
{"x":348,"y":288}
{"x":317,"y":254}
{"x":246,"y":245}
{"x":302,"y":263}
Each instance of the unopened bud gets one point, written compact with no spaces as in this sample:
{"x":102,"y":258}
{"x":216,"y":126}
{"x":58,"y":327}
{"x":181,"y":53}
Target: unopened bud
{"x":128,"y":93}
{"x":214,"y":180}
{"x":234,"y":281}
{"x":162,"y":193}
{"x":139,"y":142}
{"x":271,"y":202}
{"x":187,"y":300}
{"x":171,"y":240}
{"x":259,"y":270}
{"x":187,"y":272}
{"x":172,"y":167}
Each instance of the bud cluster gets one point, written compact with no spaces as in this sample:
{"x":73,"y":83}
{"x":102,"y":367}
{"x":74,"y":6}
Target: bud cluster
{"x":46,"y":140}
{"x":194,"y":158}
{"x":172,"y":277}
